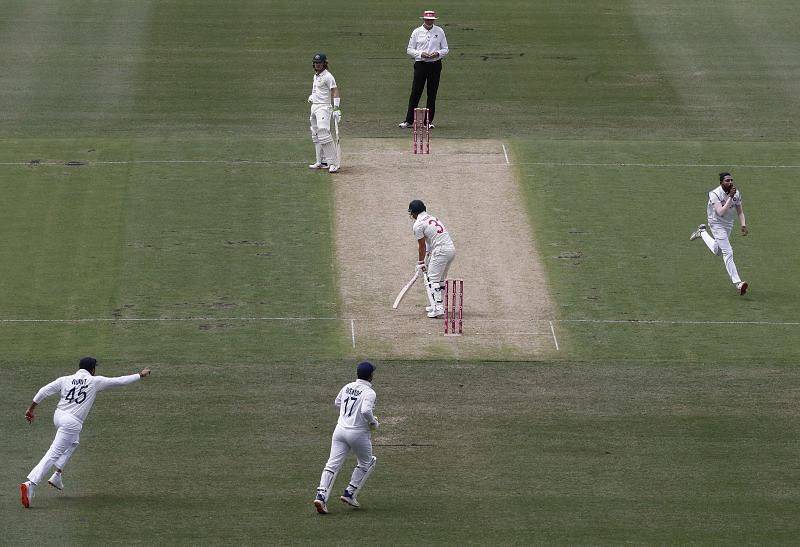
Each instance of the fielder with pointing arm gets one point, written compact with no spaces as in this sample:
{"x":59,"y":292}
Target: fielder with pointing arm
{"x":356,"y":402}
{"x":77,"y":393}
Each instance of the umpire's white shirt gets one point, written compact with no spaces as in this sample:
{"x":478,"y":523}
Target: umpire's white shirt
{"x":427,"y":41}
{"x":356,"y":402}
{"x":79,"y":390}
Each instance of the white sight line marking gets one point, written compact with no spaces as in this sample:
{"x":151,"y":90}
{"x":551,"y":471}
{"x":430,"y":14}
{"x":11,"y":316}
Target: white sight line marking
{"x":553,"y":330}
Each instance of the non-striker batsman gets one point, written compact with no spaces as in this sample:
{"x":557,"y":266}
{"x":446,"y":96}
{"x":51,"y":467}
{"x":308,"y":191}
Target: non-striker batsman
{"x":323,"y":91}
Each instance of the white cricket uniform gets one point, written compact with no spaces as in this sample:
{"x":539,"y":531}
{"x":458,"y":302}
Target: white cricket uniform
{"x":720,"y":227}
{"x":356,"y":402}
{"x":440,"y":248}
{"x":321,"y":107}
{"x":77,"y":395}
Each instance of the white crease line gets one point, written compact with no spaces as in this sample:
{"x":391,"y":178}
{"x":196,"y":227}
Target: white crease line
{"x":668,"y":322}
{"x":166,"y":319}
{"x":503,"y":333}
{"x":505,"y":153}
{"x":90,"y":163}
{"x":553,"y":330}
{"x":551,"y":322}
{"x":699,"y":165}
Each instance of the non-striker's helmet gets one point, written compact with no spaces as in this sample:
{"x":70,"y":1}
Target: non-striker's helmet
{"x":320,"y":58}
{"x":416,"y":207}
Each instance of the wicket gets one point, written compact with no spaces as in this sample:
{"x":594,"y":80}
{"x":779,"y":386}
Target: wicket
{"x":422,"y":131}
{"x":453,"y":307}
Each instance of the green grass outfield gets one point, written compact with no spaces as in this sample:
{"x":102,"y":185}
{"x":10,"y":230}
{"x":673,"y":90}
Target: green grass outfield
{"x":187,"y":235}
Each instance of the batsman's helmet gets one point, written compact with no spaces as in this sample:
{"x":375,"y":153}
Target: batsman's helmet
{"x":320,"y":58}
{"x":416,"y":207}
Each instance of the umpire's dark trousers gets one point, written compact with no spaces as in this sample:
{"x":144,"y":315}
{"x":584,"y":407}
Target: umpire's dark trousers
{"x":424,"y":73}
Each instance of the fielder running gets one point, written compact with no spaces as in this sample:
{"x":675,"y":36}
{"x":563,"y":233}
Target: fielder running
{"x":435,"y":252}
{"x":724,"y":202}
{"x":77,"y":393}
{"x":322,"y":90}
{"x":356,"y":402}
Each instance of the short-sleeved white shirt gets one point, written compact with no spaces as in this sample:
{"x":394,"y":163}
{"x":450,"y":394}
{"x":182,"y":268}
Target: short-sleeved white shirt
{"x":718,"y":195}
{"x":356,"y":402}
{"x":432,"y":229}
{"x":78,"y":391}
{"x":429,"y":41}
{"x":321,"y":88}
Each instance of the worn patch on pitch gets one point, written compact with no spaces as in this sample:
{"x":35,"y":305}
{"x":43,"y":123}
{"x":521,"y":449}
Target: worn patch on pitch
{"x":471,"y":187}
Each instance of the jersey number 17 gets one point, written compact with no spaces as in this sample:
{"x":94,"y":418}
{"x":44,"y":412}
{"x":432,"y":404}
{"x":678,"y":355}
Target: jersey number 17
{"x":352,"y":402}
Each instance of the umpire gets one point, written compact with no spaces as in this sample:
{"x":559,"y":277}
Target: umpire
{"x":428,"y":46}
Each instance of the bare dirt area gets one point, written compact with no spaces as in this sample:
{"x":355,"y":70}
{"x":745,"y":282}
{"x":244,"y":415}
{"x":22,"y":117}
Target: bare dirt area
{"x":470,"y":186}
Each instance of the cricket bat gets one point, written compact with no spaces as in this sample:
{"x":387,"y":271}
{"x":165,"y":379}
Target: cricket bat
{"x":404,"y":290}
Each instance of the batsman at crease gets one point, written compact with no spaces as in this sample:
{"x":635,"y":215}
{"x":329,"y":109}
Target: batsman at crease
{"x":436,"y":253}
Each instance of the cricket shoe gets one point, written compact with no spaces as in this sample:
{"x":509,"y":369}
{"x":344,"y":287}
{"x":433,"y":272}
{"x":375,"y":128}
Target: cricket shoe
{"x":438,"y":311}
{"x":742,"y":287}
{"x":333,"y":169}
{"x":431,"y":126}
{"x":404,"y":125}
{"x":26,"y":488}
{"x":349,"y":499}
{"x":697,"y":233}
{"x":319,"y":503}
{"x":318,"y":165}
{"x":56,"y":481}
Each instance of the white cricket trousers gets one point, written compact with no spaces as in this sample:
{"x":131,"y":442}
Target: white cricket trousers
{"x":719,"y":244}
{"x":68,"y":432}
{"x":439,"y":263}
{"x":344,"y":440}
{"x":320,"y":121}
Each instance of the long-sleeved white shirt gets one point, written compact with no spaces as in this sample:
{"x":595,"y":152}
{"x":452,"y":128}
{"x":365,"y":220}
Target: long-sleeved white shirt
{"x":356,"y":402}
{"x":79,"y":390}
{"x":430,"y":41}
